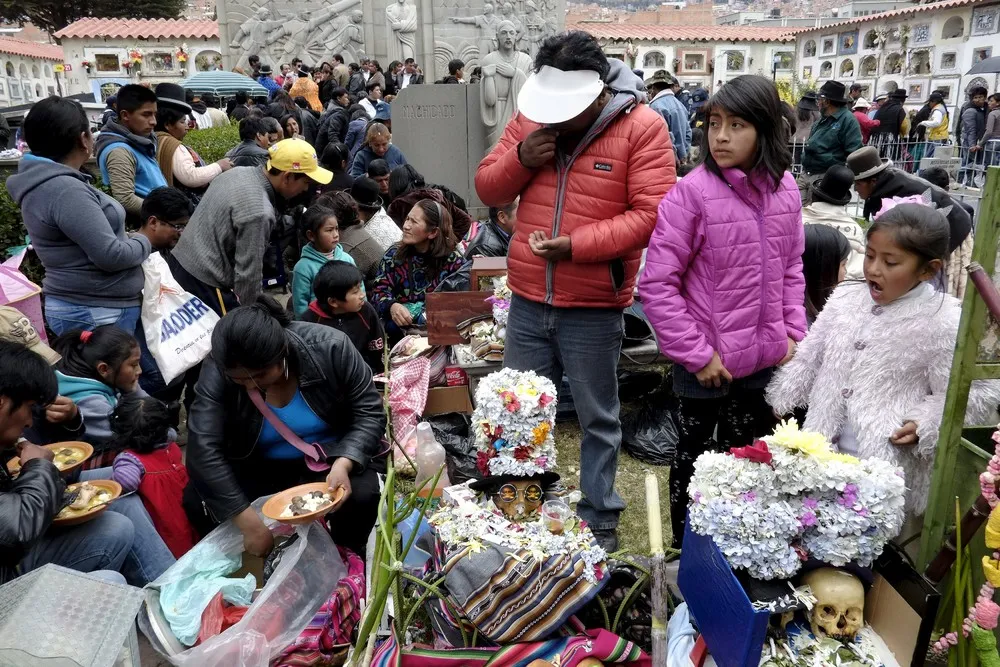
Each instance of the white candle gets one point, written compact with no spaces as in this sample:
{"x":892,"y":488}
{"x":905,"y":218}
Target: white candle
{"x":653,"y":514}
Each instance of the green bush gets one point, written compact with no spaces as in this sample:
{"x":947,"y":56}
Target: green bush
{"x":213,"y":144}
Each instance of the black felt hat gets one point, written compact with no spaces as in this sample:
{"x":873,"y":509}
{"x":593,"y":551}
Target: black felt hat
{"x":835,"y":186}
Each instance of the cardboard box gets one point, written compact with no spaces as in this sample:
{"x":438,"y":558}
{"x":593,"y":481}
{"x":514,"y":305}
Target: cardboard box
{"x":900,"y":605}
{"x":442,"y":400}
{"x":484,"y":269}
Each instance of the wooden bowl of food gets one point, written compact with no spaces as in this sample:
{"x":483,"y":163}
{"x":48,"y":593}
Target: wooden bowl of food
{"x":93,"y":498}
{"x":302,"y":504}
{"x":67,"y":456}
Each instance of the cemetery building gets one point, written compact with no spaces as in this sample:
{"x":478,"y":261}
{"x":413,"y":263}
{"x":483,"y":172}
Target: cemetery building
{"x":103,"y":54}
{"x":699,"y":56}
{"x":920,"y":49}
{"x":30,"y":71}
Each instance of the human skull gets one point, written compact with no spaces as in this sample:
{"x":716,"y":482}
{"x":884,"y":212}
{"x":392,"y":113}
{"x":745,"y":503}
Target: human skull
{"x":519,"y":499}
{"x":840,"y":603}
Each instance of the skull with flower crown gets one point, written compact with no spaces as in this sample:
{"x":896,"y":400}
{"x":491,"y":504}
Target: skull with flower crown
{"x":513,"y":422}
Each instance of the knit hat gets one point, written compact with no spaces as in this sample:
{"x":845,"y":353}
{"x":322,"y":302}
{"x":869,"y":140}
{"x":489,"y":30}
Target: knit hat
{"x":513,"y":422}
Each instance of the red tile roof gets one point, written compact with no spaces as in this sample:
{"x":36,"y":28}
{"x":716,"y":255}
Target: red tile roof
{"x":894,"y":14}
{"x":140,"y":28}
{"x":679,"y":33}
{"x":20,"y":47}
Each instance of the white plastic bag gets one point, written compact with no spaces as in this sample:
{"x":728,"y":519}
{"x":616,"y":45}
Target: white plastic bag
{"x":178,"y":325}
{"x":305,"y":577}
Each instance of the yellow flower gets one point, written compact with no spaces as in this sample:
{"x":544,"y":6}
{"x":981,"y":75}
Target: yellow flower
{"x":540,"y":432}
{"x":788,"y":435}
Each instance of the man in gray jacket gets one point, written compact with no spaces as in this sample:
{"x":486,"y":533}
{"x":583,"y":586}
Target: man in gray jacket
{"x":254,"y":142}
{"x":220,"y":257}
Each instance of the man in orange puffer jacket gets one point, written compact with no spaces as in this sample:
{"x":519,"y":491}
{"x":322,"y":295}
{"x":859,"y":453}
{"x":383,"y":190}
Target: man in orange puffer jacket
{"x":591,"y":164}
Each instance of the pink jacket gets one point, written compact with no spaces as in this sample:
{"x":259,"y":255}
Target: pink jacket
{"x":724,"y":271}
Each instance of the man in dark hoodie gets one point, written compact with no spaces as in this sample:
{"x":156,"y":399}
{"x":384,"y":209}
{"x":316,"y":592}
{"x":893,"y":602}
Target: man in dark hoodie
{"x":254,"y":142}
{"x":591,"y":164}
{"x":126,"y":149}
{"x":334,"y":121}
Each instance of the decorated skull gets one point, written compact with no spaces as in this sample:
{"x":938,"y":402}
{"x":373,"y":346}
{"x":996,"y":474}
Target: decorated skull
{"x":840,"y":603}
{"x":518,"y":499}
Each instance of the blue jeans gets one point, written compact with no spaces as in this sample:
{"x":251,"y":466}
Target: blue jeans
{"x":63,"y":316}
{"x":585,"y":344}
{"x":100,"y":544}
{"x":147,"y":557}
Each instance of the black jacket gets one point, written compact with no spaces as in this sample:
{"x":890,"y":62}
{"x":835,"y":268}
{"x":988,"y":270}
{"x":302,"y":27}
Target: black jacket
{"x":364,"y":329}
{"x":332,"y":128}
{"x":415,"y":79}
{"x":490,"y":241}
{"x":890,"y":117}
{"x":224,"y":425}
{"x":895,"y":183}
{"x":27,"y":506}
{"x":307,"y":126}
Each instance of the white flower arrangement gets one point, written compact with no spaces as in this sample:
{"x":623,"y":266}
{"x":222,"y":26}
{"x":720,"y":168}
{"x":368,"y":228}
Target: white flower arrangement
{"x":470,"y":525}
{"x":769,"y":506}
{"x":513,"y":421}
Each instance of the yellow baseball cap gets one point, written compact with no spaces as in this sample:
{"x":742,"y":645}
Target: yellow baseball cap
{"x":298,"y":157}
{"x":14,"y":326}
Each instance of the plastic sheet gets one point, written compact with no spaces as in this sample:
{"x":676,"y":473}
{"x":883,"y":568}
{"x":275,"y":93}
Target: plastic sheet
{"x":304,"y":579}
{"x":651,"y":433}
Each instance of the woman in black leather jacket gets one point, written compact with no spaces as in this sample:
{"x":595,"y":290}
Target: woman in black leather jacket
{"x":319,"y":386}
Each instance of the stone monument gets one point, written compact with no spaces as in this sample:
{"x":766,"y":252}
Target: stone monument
{"x":504,"y":72}
{"x":431,"y":31}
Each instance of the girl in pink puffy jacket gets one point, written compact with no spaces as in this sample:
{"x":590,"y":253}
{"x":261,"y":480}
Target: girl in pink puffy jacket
{"x":723,"y":285}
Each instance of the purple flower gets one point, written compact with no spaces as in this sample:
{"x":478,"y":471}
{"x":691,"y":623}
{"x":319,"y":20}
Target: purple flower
{"x":862,"y":512}
{"x":808,"y":519}
{"x":697,"y":497}
{"x":749,"y":496}
{"x":810,"y":503}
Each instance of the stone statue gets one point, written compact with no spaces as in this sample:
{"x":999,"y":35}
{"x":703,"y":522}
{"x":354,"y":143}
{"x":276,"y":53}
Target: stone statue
{"x":341,"y":37}
{"x":487,"y":25}
{"x":536,"y":28}
{"x":507,"y":14}
{"x":504,"y":72}
{"x":252,"y":36}
{"x":401,"y":19}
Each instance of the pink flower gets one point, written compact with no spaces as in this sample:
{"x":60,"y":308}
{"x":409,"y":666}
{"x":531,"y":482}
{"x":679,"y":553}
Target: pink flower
{"x":545,"y":399}
{"x":542,"y":461}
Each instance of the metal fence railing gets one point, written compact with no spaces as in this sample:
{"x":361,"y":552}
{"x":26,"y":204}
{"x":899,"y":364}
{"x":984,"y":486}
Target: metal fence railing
{"x":966,"y":168}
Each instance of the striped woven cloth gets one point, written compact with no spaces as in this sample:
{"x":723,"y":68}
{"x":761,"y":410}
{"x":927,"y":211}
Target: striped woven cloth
{"x":330,"y":629}
{"x":605,"y":646}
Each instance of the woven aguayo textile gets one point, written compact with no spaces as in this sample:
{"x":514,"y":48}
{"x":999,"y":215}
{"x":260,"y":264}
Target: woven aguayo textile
{"x":568,"y":651}
{"x":510,"y":595}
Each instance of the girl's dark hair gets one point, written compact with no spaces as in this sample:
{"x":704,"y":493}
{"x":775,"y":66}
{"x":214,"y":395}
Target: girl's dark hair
{"x":437,"y":216}
{"x":315,"y":216}
{"x":826,"y":249}
{"x":140,"y":423}
{"x":284,"y":123}
{"x":404,"y":178}
{"x":343,"y":206}
{"x":167,"y":115}
{"x":754,"y":99}
{"x":252,"y":336}
{"x":916,"y":228}
{"x":336,"y":156}
{"x":53,"y":127}
{"x":82,"y":351}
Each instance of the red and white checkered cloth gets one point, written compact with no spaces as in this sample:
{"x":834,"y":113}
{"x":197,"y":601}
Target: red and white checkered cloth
{"x":407,"y":397}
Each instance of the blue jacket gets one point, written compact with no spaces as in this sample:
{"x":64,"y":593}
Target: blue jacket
{"x":355,"y":136}
{"x":269,"y":83}
{"x":95,"y":401}
{"x":305,"y":271}
{"x":359,"y":167}
{"x":675,"y":113}
{"x":148,"y":176}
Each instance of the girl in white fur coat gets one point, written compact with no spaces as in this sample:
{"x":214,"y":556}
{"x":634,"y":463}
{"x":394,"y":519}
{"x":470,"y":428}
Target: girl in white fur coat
{"x":873,"y":369}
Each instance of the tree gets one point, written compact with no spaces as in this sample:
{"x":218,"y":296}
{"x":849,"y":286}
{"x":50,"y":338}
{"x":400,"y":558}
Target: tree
{"x":54,"y":15}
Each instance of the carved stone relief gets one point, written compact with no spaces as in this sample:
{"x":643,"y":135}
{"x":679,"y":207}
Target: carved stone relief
{"x":431,"y":31}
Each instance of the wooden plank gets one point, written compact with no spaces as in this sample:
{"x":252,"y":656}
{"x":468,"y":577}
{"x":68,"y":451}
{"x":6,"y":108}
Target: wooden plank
{"x":445,"y":310}
{"x":486,"y":267}
{"x":940,"y":508}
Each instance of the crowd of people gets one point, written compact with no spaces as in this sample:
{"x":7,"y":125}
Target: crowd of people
{"x":768,"y":298}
